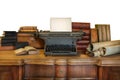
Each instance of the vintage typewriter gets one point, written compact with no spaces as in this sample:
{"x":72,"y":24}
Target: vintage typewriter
{"x":60,"y":43}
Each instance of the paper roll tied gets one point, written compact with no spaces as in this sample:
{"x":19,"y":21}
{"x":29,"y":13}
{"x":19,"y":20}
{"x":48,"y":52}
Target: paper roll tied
{"x":94,"y":46}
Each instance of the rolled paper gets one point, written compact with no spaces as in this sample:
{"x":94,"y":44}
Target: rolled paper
{"x":106,"y":51}
{"x":94,"y":46}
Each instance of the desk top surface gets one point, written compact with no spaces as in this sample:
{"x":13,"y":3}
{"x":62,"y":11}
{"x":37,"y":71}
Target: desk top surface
{"x":10,"y":55}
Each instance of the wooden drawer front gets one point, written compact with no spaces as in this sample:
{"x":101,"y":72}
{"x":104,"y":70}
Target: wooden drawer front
{"x":9,"y":73}
{"x":40,"y":79}
{"x":60,"y":71}
{"x":111,"y":73}
{"x":34,"y":71}
{"x":81,"y":71}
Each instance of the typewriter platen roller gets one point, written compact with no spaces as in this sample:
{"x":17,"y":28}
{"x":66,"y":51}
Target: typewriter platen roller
{"x":60,"y":43}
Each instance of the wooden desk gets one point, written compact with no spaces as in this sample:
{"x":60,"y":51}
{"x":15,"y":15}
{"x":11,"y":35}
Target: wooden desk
{"x":41,"y":67}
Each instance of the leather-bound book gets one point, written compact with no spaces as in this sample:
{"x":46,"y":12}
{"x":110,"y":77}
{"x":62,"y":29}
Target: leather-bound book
{"x":29,"y":37}
{"x":4,"y":48}
{"x":80,"y":25}
{"x":7,"y":44}
{"x":4,"y":41}
{"x":83,"y":42}
{"x":86,"y":38}
{"x":103,"y":32}
{"x":108,"y":34}
{"x":94,"y":35}
{"x":28,"y":29}
{"x":82,"y":47}
{"x":10,"y":38}
{"x":9,"y":33}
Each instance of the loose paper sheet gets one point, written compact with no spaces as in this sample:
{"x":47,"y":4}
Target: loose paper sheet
{"x":60,"y":25}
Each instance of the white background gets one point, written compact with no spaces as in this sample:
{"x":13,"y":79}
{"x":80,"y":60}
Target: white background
{"x":16,"y":13}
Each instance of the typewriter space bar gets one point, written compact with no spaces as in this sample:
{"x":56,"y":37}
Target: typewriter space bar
{"x":61,"y":52}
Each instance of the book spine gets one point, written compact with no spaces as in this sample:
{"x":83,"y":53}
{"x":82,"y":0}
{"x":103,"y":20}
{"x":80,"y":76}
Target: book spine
{"x":99,"y":30}
{"x":108,"y":34}
{"x":94,"y":35}
{"x":9,"y":38}
{"x":103,"y":32}
{"x":8,"y":41}
{"x":83,"y":42}
{"x":7,"y":44}
{"x":104,"y":36}
{"x":4,"y":48}
{"x":80,"y":25}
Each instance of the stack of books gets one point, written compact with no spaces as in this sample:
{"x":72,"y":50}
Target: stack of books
{"x":103,"y":32}
{"x":27,"y":34}
{"x":9,"y":40}
{"x":85,"y":27}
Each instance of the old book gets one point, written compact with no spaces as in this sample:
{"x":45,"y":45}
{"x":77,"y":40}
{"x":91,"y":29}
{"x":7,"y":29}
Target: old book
{"x":5,"y":48}
{"x":103,"y":32}
{"x":28,"y":29}
{"x":10,"y":38}
{"x":26,"y":50}
{"x":80,"y":25}
{"x":82,"y":47}
{"x":99,"y":30}
{"x":85,"y":38}
{"x":94,"y":35}
{"x":9,"y":33}
{"x":34,"y":42}
{"x":83,"y":42}
{"x":87,"y":31}
{"x":3,"y":41}
{"x":21,"y":45}
{"x":7,"y":44}
{"x":85,"y":27}
{"x":108,"y":34}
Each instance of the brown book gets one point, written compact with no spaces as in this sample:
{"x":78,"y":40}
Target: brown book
{"x":86,"y":38}
{"x":94,"y":35}
{"x":82,"y":47}
{"x":28,"y":29}
{"x":99,"y":30}
{"x":87,"y":31}
{"x":5,"y":48}
{"x":108,"y":34}
{"x":34,"y":42}
{"x":24,"y":35}
{"x":80,"y":25}
{"x":83,"y":42}
{"x":103,"y":32}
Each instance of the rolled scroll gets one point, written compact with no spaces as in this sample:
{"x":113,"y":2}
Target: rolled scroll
{"x":106,"y":51}
{"x":94,"y":46}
